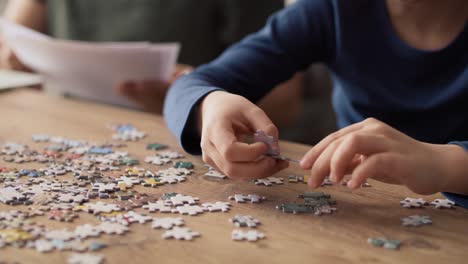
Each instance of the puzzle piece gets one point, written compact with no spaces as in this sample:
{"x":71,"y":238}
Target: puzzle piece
{"x":269,"y":181}
{"x":151,"y":182}
{"x":324,"y":209}
{"x":250,"y":235}
{"x":43,"y":245}
{"x":416,"y":220}
{"x":160,"y":206}
{"x":167,"y":222}
{"x":181,"y":199}
{"x":413,"y":203}
{"x":104,"y":187}
{"x":170,"y":154}
{"x":191,"y":210}
{"x":85,"y":259}
{"x":443,"y":203}
{"x":171,"y":179}
{"x":134,"y":217}
{"x":155,"y":146}
{"x":40,"y":138}
{"x":217,"y":206}
{"x":112,"y":228}
{"x":101,"y":207}
{"x":86,"y":231}
{"x":62,"y":215}
{"x":128,"y":181}
{"x":63,"y":234}
{"x":241,"y":198}
{"x":385,"y":243}
{"x":72,"y":198}
{"x":244,"y":220}
{"x":180,"y":233}
{"x":215,"y":174}
{"x":174,"y":171}
{"x":99,"y":150}
{"x":294,"y":208}
{"x":157,"y":160}
{"x":326,"y":182}
{"x":183,"y":164}
{"x":11,"y":196}
{"x":273,"y":147}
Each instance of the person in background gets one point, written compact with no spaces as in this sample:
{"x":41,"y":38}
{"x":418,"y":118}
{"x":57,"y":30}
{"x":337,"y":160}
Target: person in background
{"x":204,"y":29}
{"x":400,"y":92}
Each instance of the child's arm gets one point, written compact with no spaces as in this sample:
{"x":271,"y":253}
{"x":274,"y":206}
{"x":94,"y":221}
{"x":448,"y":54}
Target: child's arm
{"x":372,"y":149}
{"x":292,"y":39}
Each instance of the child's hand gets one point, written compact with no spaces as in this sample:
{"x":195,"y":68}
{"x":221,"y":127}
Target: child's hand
{"x":372,"y":149}
{"x":150,"y":94}
{"x":224,"y":118}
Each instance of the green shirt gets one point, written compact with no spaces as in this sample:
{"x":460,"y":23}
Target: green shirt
{"x":203,"y":27}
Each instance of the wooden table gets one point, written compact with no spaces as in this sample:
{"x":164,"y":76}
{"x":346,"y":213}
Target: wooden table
{"x":338,"y":238}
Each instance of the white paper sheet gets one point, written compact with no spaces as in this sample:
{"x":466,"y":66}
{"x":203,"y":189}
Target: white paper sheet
{"x":90,"y":70}
{"x":13,"y":79}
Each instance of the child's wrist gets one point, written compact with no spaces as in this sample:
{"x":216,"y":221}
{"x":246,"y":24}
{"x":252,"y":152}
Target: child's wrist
{"x":454,"y":160}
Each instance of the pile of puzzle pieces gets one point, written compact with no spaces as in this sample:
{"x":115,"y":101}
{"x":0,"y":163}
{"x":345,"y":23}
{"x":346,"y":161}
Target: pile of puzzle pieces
{"x":317,"y":203}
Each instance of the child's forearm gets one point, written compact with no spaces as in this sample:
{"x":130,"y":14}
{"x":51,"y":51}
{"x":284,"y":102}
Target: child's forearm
{"x":456,"y":167}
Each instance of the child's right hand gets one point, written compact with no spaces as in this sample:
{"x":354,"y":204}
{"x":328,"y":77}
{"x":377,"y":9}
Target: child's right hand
{"x":224,"y":118}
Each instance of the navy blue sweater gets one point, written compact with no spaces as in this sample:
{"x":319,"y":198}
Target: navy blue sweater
{"x":375,"y":74}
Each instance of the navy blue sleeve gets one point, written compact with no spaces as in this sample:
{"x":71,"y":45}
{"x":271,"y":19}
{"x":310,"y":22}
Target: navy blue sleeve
{"x":461,"y":200}
{"x":293,"y":38}
{"x":463,"y":144}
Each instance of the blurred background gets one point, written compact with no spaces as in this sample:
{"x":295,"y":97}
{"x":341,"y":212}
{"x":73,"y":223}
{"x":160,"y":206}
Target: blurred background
{"x":316,"y":118}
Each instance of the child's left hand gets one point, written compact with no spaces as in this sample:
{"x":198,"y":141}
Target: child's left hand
{"x":372,"y":149}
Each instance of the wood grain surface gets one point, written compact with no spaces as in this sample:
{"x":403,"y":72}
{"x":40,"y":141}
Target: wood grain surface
{"x":338,"y":238}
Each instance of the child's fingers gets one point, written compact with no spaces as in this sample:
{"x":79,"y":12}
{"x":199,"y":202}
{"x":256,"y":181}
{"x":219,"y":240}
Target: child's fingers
{"x":247,"y":170}
{"x":321,"y":167}
{"x":206,"y":158}
{"x":375,"y":166}
{"x":351,"y":145}
{"x":225,"y":142}
{"x":309,"y":158}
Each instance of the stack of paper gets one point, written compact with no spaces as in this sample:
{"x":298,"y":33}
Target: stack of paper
{"x":90,"y":70}
{"x":13,"y":79}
